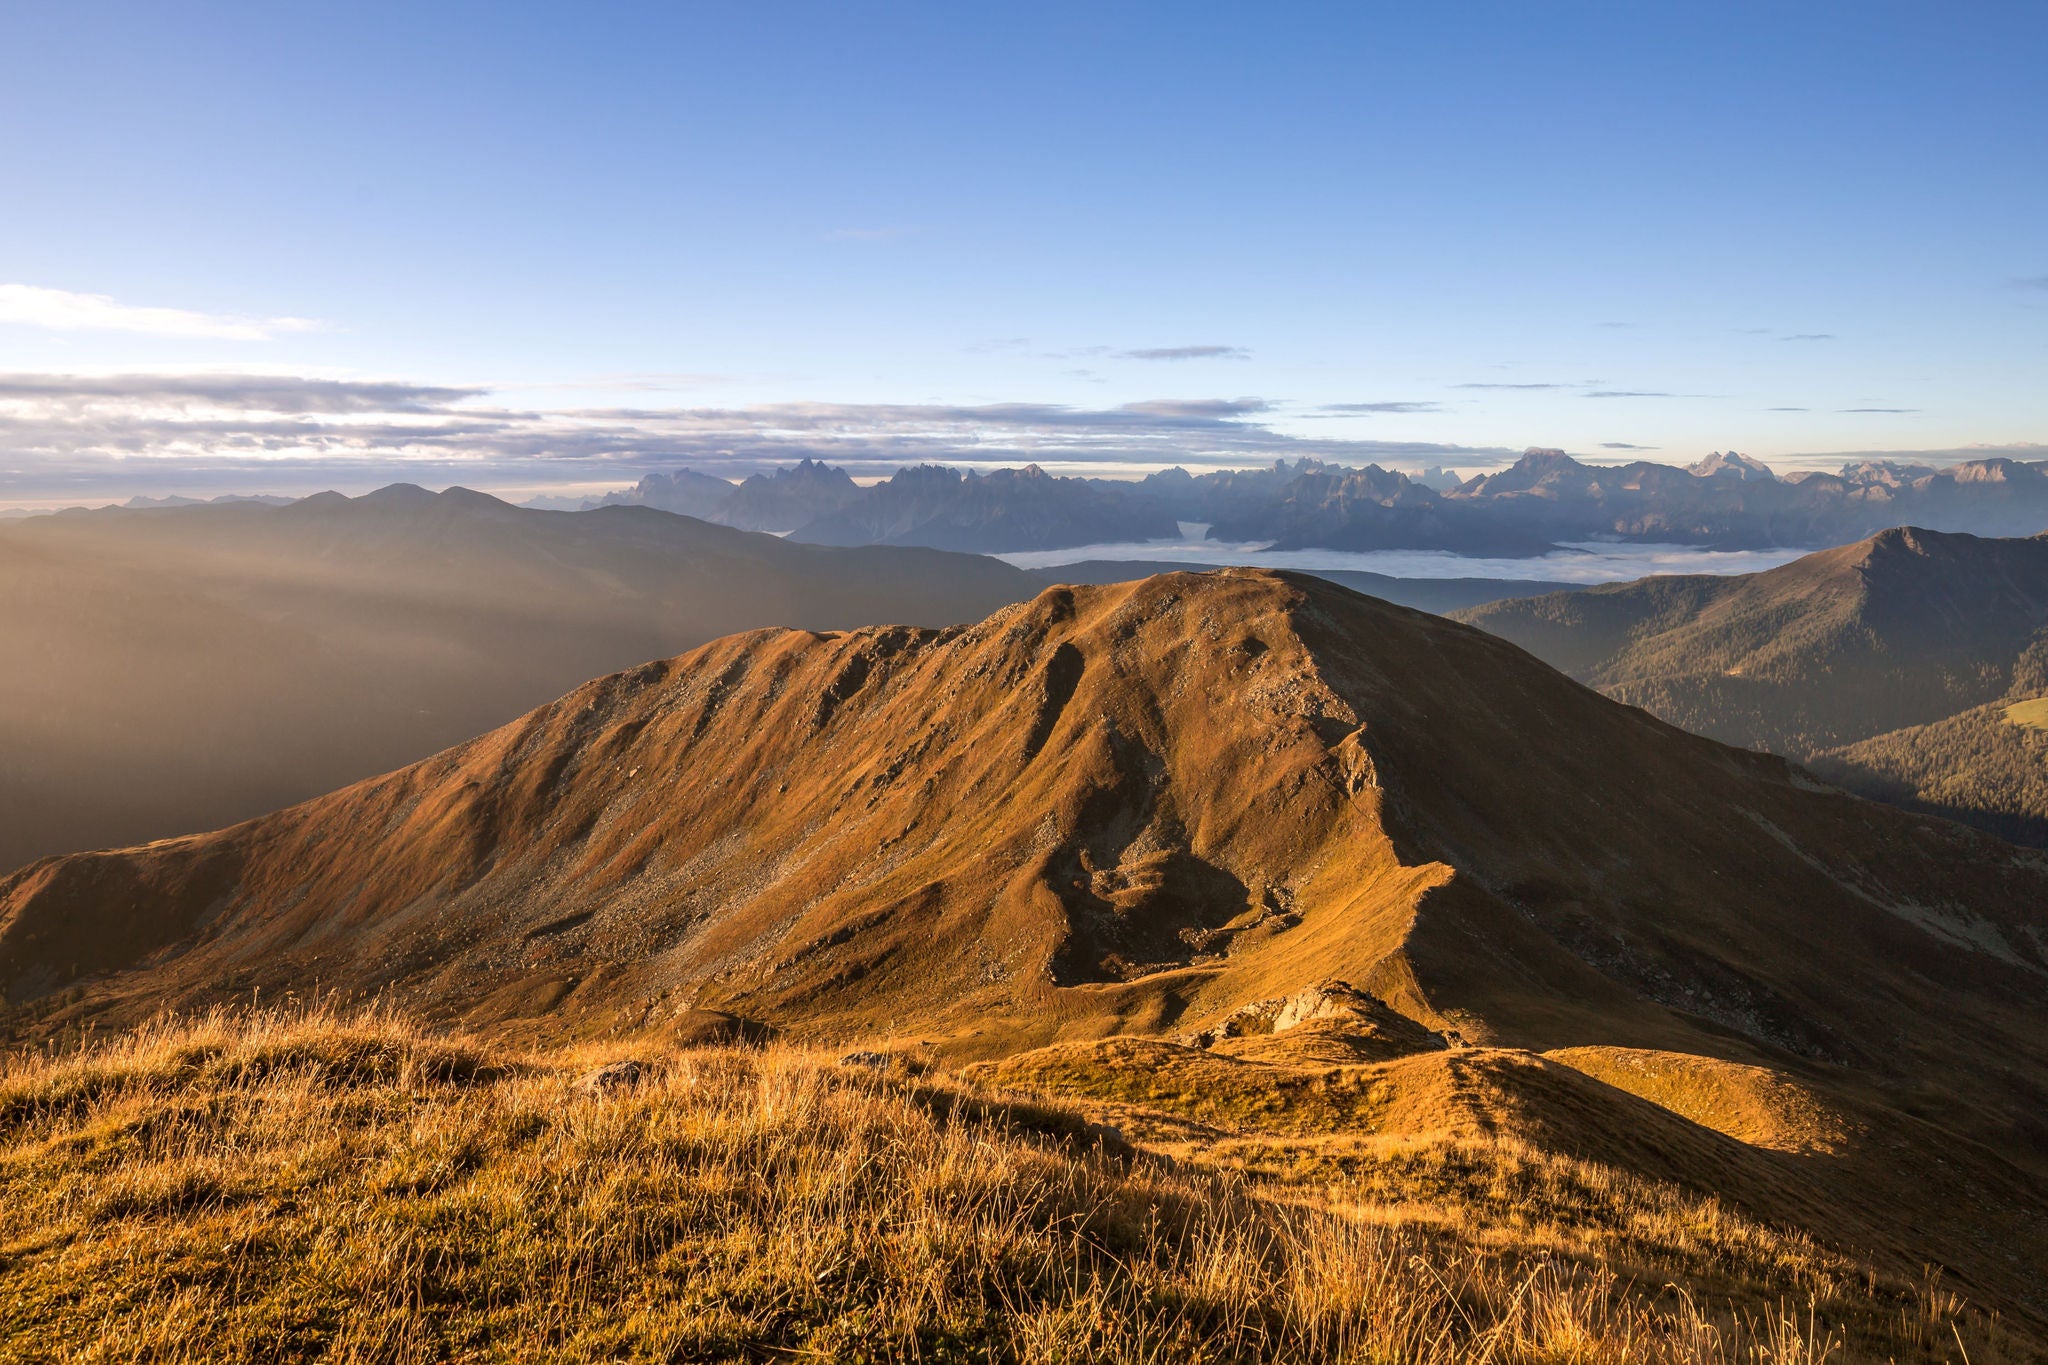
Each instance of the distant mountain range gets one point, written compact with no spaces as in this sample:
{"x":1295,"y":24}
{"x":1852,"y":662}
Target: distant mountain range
{"x":1725,"y":501}
{"x":1889,"y":665}
{"x":181,"y":667}
{"x":1160,"y":810}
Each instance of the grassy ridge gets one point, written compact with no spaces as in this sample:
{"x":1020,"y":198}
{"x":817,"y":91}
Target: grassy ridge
{"x":312,"y":1187}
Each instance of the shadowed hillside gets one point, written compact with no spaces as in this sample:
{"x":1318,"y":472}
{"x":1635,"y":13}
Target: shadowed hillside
{"x":1983,"y":767}
{"x":1143,"y":809}
{"x":1877,"y":662}
{"x":177,"y":669}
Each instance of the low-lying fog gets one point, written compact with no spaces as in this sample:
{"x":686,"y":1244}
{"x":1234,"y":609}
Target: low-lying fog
{"x":1578,"y":562}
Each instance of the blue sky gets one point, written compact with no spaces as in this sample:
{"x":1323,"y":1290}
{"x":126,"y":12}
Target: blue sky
{"x":516,"y":246}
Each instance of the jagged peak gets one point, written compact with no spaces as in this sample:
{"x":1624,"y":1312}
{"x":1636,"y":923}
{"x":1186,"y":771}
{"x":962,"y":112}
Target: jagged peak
{"x":1732,"y":463}
{"x":1917,"y":541}
{"x":806,"y":468}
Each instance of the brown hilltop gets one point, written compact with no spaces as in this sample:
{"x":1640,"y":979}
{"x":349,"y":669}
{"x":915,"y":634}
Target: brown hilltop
{"x":1138,"y":809}
{"x":1127,"y":806}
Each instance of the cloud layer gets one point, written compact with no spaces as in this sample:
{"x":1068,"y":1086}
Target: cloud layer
{"x":80,"y":437}
{"x":61,"y":433}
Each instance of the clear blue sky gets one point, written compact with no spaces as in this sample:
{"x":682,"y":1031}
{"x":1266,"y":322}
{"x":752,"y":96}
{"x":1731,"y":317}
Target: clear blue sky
{"x":637,"y":235}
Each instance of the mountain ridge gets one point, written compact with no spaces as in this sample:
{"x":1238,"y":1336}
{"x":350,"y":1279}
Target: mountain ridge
{"x":1724,"y":501}
{"x":1131,"y":812}
{"x":1888,"y":666}
{"x":1926,"y":623}
{"x":1131,"y":842}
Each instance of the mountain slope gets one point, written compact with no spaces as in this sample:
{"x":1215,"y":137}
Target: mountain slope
{"x":1141,"y":803}
{"x":1979,"y":766}
{"x":1884,"y":665}
{"x":175,"y":669}
{"x":1902,"y":629}
{"x":1138,"y":809}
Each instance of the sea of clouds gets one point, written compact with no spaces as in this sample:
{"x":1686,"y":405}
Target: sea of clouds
{"x":1578,"y":562}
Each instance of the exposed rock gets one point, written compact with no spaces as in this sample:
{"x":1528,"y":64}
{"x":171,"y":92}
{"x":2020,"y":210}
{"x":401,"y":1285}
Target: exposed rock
{"x":1325,"y":1000}
{"x":611,"y":1077}
{"x":715,"y":1028}
{"x":1364,"y":1026}
{"x":1108,"y":1139}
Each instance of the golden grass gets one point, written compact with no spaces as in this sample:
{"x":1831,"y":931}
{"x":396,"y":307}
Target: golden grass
{"x":1751,"y":1104}
{"x":312,"y":1187}
{"x":2031,"y":714}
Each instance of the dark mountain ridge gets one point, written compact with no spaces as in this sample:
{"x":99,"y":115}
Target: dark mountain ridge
{"x":1009,"y":509}
{"x":1901,"y":629}
{"x":1888,"y":666}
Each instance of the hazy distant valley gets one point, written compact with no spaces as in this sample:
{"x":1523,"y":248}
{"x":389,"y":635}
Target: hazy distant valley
{"x":1902,"y":667}
{"x":179,"y":668}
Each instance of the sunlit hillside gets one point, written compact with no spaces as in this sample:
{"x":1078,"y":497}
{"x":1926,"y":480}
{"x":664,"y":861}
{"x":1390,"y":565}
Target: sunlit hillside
{"x":308,"y":1185}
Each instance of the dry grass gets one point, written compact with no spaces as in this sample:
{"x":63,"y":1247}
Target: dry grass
{"x":310,"y":1187}
{"x":2031,"y":714}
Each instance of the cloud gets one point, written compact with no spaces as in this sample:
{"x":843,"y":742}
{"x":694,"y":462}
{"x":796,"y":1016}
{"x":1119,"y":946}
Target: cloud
{"x":1381,"y":407}
{"x":1200,"y":409}
{"x":1886,"y":410}
{"x":1629,"y":393}
{"x":1574,"y":563}
{"x":63,"y":311}
{"x":1624,"y":445}
{"x":239,"y":392}
{"x":2027,"y":451}
{"x":151,"y":433}
{"x":2031,"y":282}
{"x":1186,"y":353}
{"x":1808,"y":336}
{"x":1510,"y":386}
{"x":1788,"y":409}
